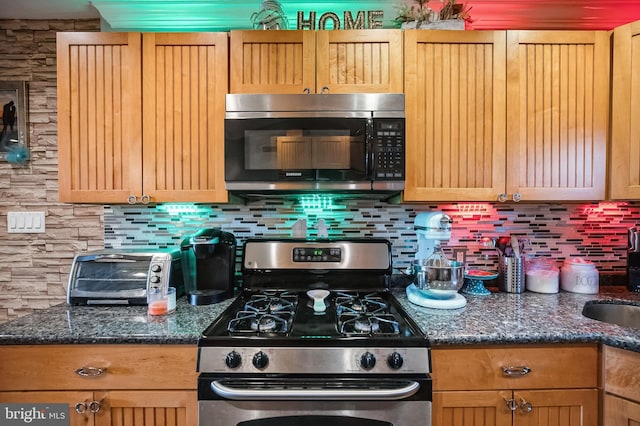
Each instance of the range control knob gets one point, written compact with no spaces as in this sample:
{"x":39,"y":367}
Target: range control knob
{"x":233,"y":359}
{"x":368,"y":360}
{"x":260,"y":360}
{"x":395,"y":361}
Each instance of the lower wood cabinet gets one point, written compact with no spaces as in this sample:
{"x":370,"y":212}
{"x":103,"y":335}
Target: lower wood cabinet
{"x":519,"y":385}
{"x":622,"y":387}
{"x":125,"y":385}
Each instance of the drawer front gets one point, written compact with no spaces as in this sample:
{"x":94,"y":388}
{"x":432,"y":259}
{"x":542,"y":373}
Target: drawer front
{"x":483,"y":368}
{"x":621,"y":369}
{"x":86,"y":367}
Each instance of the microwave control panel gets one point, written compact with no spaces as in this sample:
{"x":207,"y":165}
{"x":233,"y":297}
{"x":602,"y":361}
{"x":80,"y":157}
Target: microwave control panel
{"x":388,"y":148}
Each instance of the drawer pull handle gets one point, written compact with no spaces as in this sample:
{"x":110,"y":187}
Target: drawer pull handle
{"x":90,"y":371}
{"x":516,"y":371}
{"x":81,"y":407}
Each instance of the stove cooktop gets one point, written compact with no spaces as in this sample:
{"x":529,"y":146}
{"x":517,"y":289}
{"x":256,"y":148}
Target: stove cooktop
{"x":287,"y":318}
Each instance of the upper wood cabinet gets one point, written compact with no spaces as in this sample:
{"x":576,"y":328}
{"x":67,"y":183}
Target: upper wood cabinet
{"x":141,"y":117}
{"x":557,"y":114}
{"x":496,"y":116}
{"x":455,"y":115}
{"x":625,"y":126}
{"x":345,"y":61}
{"x":99,"y":116}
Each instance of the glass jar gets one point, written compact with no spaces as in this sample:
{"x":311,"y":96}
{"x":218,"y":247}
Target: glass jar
{"x":579,"y":276}
{"x":542,"y":275}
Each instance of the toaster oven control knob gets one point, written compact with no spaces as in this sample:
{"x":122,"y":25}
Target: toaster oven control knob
{"x":233,"y":359}
{"x":154,"y":279}
{"x":260,"y":360}
{"x":156,"y":268}
{"x":368,"y":360}
{"x":395,"y":361}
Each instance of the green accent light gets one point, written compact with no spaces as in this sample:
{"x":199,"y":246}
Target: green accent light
{"x":316,"y":203}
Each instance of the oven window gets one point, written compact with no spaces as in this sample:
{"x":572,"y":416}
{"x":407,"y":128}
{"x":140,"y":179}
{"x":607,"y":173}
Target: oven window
{"x":117,"y":276}
{"x":314,"y":421}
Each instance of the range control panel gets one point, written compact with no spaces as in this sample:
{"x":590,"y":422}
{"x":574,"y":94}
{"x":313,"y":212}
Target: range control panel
{"x":317,"y":254}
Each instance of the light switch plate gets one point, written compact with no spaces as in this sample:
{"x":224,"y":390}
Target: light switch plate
{"x":25,"y":222}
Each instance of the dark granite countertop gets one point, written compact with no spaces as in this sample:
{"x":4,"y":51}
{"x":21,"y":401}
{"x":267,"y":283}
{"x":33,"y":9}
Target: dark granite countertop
{"x":499,"y":318}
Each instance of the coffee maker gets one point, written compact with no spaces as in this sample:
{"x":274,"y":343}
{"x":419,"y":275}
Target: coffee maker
{"x":209,"y":263}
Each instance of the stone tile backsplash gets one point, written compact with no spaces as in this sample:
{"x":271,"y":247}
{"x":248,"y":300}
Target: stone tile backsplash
{"x":596,"y":231}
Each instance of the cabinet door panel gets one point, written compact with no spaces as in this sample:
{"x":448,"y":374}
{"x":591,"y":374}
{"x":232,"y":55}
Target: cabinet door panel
{"x":351,"y":61}
{"x":99,"y":116}
{"x":272,"y":61}
{"x":185,"y":82}
{"x":621,"y":412}
{"x":558,"y":91}
{"x":625,"y":128}
{"x":471,"y":408}
{"x":147,"y":408}
{"x":71,"y":398}
{"x":558,"y":407}
{"x":455,"y":113}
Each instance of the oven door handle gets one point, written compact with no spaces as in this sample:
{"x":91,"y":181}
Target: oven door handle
{"x":395,"y":393}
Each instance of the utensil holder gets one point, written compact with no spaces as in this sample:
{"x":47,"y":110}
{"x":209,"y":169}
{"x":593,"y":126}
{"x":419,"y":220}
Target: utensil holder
{"x":512,"y":271}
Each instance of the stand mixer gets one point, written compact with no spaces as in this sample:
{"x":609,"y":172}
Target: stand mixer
{"x":437,"y":279}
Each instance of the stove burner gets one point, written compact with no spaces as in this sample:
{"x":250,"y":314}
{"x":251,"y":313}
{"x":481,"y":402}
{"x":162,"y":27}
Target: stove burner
{"x":365,"y":325}
{"x":272,"y":302}
{"x":264,"y":323}
{"x":364,"y":315}
{"x":267,"y":312}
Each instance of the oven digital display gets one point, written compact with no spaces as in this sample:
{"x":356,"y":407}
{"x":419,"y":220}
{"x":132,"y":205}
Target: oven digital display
{"x":317,"y":254}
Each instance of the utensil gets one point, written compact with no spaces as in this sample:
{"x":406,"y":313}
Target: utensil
{"x":515,"y":246}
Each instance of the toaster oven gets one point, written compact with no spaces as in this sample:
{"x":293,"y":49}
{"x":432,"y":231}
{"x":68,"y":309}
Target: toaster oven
{"x":123,"y":276}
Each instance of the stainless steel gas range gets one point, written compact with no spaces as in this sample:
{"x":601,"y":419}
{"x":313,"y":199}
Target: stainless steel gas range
{"x":347,"y":355}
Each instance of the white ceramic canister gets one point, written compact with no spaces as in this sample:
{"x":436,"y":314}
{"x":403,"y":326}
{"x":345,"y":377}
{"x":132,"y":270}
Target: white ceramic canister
{"x":542,"y":275}
{"x":579,"y":276}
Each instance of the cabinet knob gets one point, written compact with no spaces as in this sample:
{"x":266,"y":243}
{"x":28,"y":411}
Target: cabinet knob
{"x":145,"y":199}
{"x":512,"y":404}
{"x":81,"y":407}
{"x":132,"y":199}
{"x":306,"y":90}
{"x":94,"y":406}
{"x":526,"y":407}
{"x":516,"y":371}
{"x":324,"y":90}
{"x":90,"y":371}
{"x":502,"y":197}
{"x":516,"y":197}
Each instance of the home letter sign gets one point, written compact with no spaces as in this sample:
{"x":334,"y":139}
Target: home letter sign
{"x":374,"y":20}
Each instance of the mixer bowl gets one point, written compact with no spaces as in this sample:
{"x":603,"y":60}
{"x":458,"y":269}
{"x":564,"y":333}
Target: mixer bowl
{"x":439,"y":282}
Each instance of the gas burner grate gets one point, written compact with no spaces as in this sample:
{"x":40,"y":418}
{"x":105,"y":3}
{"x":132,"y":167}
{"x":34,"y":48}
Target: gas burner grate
{"x":364,"y":315}
{"x":354,"y":303}
{"x":267,"y":312}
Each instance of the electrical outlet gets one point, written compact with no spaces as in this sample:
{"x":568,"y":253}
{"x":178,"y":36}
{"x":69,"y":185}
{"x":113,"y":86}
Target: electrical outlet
{"x":25,"y":222}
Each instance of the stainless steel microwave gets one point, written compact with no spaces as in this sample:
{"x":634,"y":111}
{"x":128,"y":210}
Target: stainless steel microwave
{"x":123,"y":276}
{"x":314,"y":142}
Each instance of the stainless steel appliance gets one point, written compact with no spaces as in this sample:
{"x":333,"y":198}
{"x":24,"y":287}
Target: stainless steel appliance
{"x":123,"y":276}
{"x":283,"y":143}
{"x":209,"y":265}
{"x":315,"y":338}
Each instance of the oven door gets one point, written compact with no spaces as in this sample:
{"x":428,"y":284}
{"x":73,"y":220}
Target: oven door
{"x":283,"y":401}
